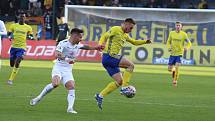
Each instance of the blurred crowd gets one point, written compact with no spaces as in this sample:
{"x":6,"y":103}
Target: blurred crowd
{"x":9,"y":9}
{"x":41,"y":7}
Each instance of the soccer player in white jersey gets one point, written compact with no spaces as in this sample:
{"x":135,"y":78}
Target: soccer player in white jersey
{"x":3,"y":31}
{"x":66,"y":53}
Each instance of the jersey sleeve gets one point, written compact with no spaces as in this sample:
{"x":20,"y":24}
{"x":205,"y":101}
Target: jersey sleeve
{"x":30,"y":30}
{"x":60,"y":47}
{"x":80,"y":45}
{"x":135,"y":42}
{"x":169,"y":40}
{"x":189,"y":44}
{"x":103,"y":38}
{"x":11,"y":28}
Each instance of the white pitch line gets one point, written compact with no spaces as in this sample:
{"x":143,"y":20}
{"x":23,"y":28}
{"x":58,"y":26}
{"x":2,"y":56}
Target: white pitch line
{"x":133,"y":102}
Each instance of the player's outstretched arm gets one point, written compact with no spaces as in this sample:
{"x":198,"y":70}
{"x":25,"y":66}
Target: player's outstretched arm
{"x":98,"y":47}
{"x":104,"y":38}
{"x":139,"y":42}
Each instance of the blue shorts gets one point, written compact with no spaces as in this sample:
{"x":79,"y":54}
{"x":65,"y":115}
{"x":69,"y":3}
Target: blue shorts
{"x":174,"y":59}
{"x":111,"y":64}
{"x":16,"y":52}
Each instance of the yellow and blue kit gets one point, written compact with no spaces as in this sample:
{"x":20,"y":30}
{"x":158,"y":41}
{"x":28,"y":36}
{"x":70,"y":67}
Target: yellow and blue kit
{"x":114,"y":40}
{"x":20,"y":33}
{"x":176,"y":43}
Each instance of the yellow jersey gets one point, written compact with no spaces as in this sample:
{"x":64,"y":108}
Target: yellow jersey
{"x":115,"y":39}
{"x":20,"y":33}
{"x":176,"y":42}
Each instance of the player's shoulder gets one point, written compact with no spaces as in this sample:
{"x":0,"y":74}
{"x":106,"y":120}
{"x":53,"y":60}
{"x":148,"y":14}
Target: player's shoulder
{"x":172,"y":32}
{"x":64,"y":42}
{"x":13,"y":24}
{"x":26,"y":25}
{"x":1,"y":22}
{"x":116,"y":28}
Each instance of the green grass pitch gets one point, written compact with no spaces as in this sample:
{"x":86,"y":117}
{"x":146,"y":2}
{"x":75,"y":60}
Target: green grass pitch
{"x":156,"y":98}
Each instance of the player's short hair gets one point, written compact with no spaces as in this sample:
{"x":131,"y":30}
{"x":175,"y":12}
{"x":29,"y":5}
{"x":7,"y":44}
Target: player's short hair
{"x":76,"y":30}
{"x":178,"y":22}
{"x":130,"y":20}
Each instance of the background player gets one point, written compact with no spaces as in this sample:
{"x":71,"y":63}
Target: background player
{"x":114,"y":40}
{"x":3,"y":31}
{"x":176,"y":48}
{"x":66,"y":52}
{"x":63,"y":28}
{"x":20,"y":32}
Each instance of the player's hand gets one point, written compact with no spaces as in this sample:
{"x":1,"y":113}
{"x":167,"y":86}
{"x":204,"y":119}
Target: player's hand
{"x":69,"y":60}
{"x":10,"y":38}
{"x":100,"y":47}
{"x":148,"y":41}
{"x":185,"y":49}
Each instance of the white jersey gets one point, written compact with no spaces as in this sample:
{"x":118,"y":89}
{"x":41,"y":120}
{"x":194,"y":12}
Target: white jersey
{"x":3,"y":31}
{"x":68,"y":50}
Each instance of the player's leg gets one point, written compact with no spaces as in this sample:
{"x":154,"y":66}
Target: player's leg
{"x":70,"y":86}
{"x":56,"y":78}
{"x":109,"y":88}
{"x":12,"y":62}
{"x":171,"y":67}
{"x":69,"y":83}
{"x":176,"y":75}
{"x":129,"y":67}
{"x":16,"y":56}
{"x":112,"y":67}
{"x":48,"y":88}
{"x":112,"y":85}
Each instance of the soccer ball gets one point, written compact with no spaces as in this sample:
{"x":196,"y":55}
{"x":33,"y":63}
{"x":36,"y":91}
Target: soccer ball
{"x":131,"y":91}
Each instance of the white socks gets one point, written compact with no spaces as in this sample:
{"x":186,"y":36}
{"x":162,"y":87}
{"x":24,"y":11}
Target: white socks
{"x":46,"y":90}
{"x":71,"y":98}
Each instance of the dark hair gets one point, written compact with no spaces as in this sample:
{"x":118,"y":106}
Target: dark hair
{"x":178,"y":22}
{"x":130,"y":20}
{"x":76,"y":30}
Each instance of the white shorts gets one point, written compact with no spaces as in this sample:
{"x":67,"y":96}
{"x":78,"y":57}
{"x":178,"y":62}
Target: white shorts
{"x":64,"y":72}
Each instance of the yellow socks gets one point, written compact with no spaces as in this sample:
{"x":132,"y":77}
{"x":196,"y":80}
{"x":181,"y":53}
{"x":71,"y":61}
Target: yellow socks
{"x":126,"y":78}
{"x":13,"y":73}
{"x":176,"y":75}
{"x":109,"y":88}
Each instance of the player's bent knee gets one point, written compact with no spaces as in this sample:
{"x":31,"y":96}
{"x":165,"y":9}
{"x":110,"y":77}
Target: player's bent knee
{"x":169,"y":68}
{"x":55,"y":81}
{"x":55,"y":84}
{"x":18,"y":61}
{"x":119,"y":83}
{"x":130,"y":68}
{"x":12,"y":63}
{"x":70,"y":85}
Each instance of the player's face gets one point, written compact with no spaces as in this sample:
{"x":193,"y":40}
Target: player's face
{"x":77,"y":37}
{"x":22,"y":18}
{"x":178,"y":27}
{"x":128,"y":27}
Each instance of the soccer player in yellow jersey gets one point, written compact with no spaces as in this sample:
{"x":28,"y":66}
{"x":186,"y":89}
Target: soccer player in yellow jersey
{"x":20,"y":32}
{"x":176,"y":47}
{"x":114,"y":40}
